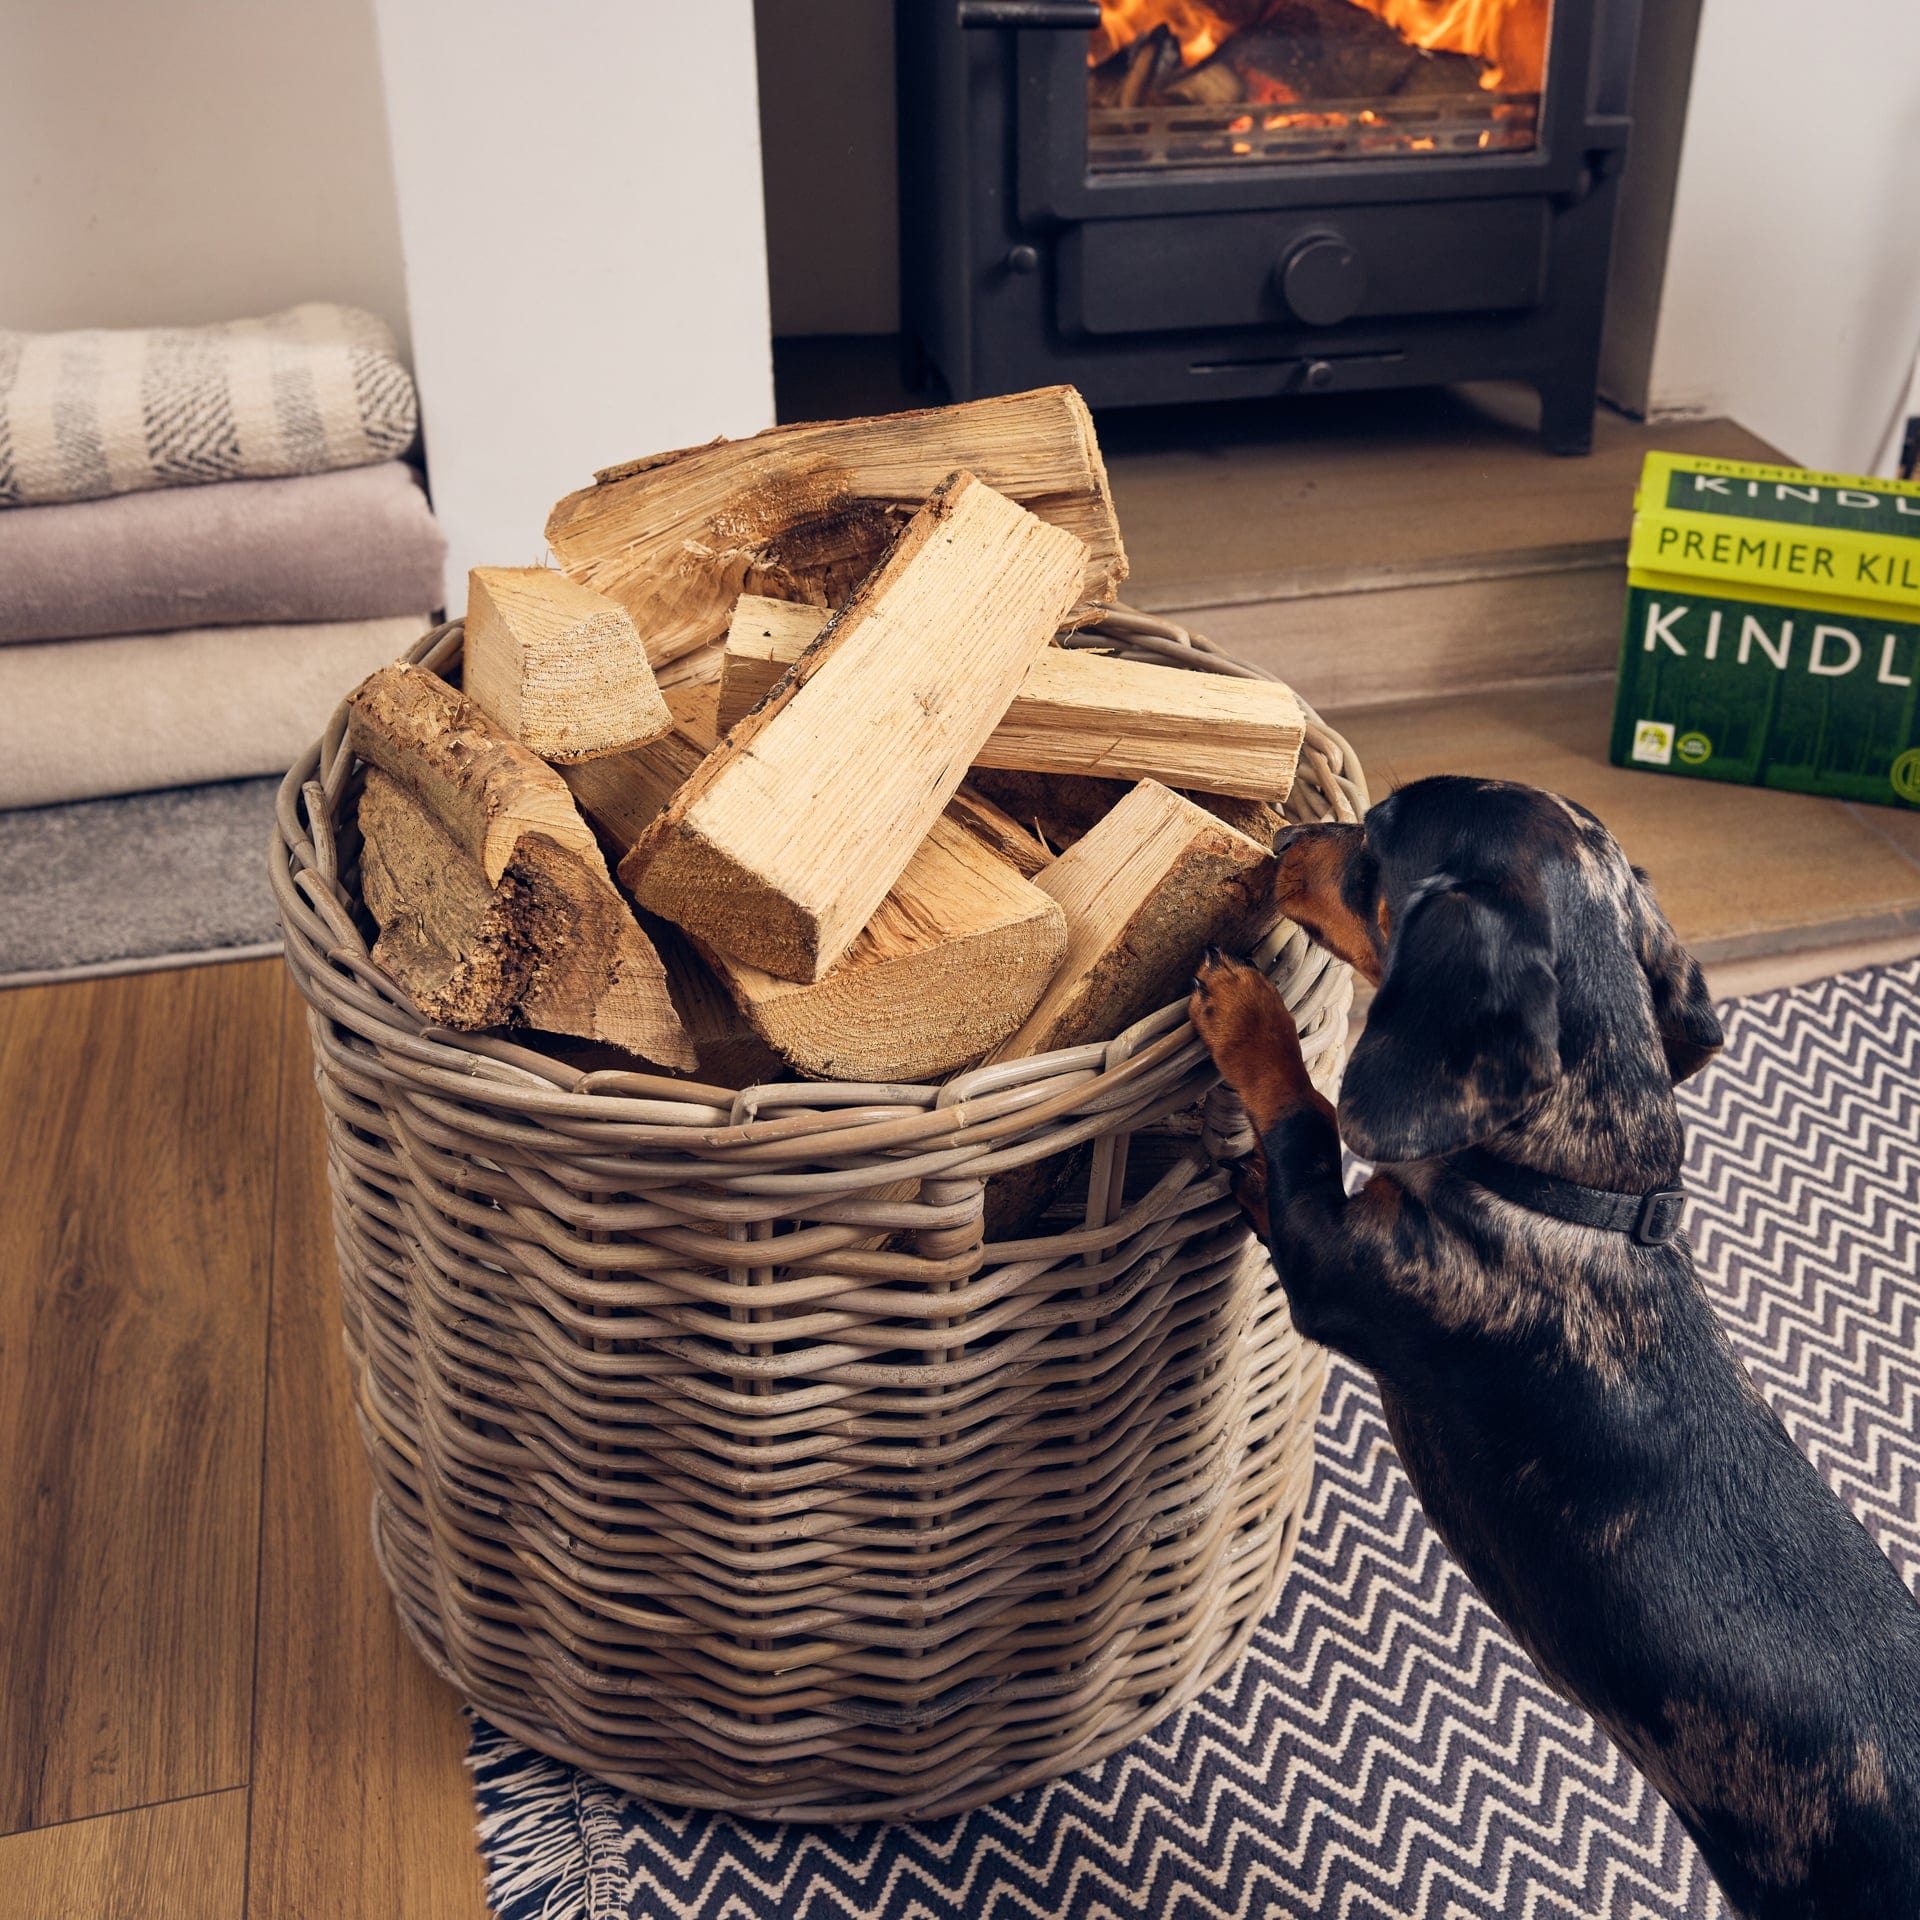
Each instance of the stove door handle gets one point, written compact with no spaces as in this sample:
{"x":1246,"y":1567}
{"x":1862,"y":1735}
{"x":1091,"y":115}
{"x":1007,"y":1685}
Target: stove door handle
{"x":1081,"y":14}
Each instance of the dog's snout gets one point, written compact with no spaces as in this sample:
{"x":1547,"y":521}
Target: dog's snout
{"x":1286,"y":837}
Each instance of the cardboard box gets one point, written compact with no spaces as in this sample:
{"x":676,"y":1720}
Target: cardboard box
{"x":1773,"y":630}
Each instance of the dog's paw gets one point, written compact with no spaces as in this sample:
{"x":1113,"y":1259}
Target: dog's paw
{"x":1236,"y":1008}
{"x":1238,"y":1012}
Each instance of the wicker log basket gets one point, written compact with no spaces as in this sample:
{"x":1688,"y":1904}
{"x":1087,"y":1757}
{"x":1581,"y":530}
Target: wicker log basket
{"x":712,"y":1449}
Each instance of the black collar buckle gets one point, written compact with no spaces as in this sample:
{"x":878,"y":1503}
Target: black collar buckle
{"x":1659,"y":1219}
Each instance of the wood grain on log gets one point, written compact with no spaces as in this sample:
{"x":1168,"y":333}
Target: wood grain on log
{"x":491,"y":893}
{"x":1077,"y":712}
{"x":806,"y":512}
{"x":1144,"y":891}
{"x":791,"y":832}
{"x":558,"y":665}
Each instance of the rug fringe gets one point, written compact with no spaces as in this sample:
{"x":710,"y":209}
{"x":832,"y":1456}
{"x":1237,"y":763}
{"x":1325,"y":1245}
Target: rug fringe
{"x":529,"y":1829}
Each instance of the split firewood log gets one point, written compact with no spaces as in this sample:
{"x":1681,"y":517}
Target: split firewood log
{"x":786,"y":838}
{"x":950,"y":963}
{"x":558,"y":665}
{"x":1077,"y":711}
{"x":1059,"y":807}
{"x":806,"y":512}
{"x":1144,"y":891}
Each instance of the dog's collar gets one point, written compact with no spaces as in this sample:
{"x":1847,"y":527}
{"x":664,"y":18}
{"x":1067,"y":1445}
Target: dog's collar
{"x":1649,"y":1219}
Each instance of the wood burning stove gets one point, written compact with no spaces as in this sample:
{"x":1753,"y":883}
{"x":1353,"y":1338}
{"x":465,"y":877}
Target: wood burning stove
{"x":1164,"y":200}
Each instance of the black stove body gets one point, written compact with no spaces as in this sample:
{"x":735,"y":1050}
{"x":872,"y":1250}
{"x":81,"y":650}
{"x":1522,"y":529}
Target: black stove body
{"x":1155,"y":255}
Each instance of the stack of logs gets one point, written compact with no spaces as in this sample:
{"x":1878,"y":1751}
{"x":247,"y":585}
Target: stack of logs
{"x":805,"y":764}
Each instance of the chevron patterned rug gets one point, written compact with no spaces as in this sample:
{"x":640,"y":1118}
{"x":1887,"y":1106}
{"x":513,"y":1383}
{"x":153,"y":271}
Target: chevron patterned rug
{"x":1384,"y":1748}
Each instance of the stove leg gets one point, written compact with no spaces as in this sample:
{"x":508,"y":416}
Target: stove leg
{"x":1566,"y":416}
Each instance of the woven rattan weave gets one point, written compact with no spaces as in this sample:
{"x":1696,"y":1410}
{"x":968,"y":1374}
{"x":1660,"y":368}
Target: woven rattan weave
{"x":714,"y":1451}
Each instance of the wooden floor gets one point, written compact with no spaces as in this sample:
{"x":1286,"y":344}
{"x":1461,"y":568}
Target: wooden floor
{"x":209,"y":1711}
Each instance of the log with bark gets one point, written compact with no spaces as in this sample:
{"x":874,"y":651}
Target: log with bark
{"x":1078,"y":711}
{"x":790,"y":833}
{"x":806,"y":512}
{"x":491,"y":894}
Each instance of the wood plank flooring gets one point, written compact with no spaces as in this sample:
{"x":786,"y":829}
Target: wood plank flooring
{"x":133,"y":1311}
{"x":184,"y":1859}
{"x":209,"y":1709}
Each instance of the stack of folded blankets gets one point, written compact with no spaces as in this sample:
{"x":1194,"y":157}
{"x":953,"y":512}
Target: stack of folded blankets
{"x":207,"y":537}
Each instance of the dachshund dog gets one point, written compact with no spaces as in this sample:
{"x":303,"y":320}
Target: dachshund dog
{"x":1564,"y":1401}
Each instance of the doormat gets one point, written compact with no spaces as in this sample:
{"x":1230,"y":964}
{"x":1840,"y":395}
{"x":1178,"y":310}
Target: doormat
{"x":1384,"y":1748}
{"x":142,"y":880}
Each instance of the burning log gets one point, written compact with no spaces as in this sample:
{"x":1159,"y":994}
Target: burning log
{"x":805,"y":512}
{"x":1337,"y":50}
{"x":1273,"y":52}
{"x":864,"y":740}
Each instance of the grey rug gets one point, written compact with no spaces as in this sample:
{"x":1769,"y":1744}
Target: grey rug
{"x":1384,"y":1751}
{"x":147,"y":880}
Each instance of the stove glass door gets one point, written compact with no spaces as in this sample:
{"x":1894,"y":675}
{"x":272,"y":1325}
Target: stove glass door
{"x":1254,"y":83}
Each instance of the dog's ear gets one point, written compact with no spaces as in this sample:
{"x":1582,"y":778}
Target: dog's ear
{"x":1690,"y":1030}
{"x":1464,"y":1033}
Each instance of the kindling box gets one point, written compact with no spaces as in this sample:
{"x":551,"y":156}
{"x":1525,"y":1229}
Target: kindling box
{"x":1773,"y":630}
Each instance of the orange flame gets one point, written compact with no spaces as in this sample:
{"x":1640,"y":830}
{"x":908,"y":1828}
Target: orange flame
{"x":1196,"y":26}
{"x":1510,"y":36}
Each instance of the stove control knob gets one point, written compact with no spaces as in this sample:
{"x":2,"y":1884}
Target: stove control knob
{"x":1324,"y":280}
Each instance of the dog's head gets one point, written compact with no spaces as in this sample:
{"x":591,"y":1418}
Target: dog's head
{"x":1508,"y":937}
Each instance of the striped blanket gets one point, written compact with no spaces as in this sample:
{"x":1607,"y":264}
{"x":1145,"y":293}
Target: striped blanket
{"x":87,"y":414}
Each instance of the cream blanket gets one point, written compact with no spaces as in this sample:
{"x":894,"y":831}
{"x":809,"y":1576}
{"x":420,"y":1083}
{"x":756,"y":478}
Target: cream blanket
{"x":87,"y":414}
{"x":81,"y":718}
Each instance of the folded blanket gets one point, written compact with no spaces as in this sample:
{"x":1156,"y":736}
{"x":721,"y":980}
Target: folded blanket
{"x":324,"y":546}
{"x":80,"y":718}
{"x":93,"y":413}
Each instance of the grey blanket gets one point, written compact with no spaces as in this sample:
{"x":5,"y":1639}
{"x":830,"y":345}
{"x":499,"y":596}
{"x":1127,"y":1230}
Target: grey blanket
{"x":328,"y":546}
{"x":97,"y":412}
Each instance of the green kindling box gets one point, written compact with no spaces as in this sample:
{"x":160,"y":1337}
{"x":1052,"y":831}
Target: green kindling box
{"x":1773,"y":630}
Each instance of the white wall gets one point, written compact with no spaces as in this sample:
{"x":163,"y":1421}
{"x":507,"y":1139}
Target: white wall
{"x":580,"y":206}
{"x":168,"y":164}
{"x":1792,"y":295}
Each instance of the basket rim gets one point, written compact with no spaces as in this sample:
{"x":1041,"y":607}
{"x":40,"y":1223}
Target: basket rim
{"x":338,"y":976}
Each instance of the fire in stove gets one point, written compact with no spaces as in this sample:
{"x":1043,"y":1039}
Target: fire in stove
{"x":1212,"y":82}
